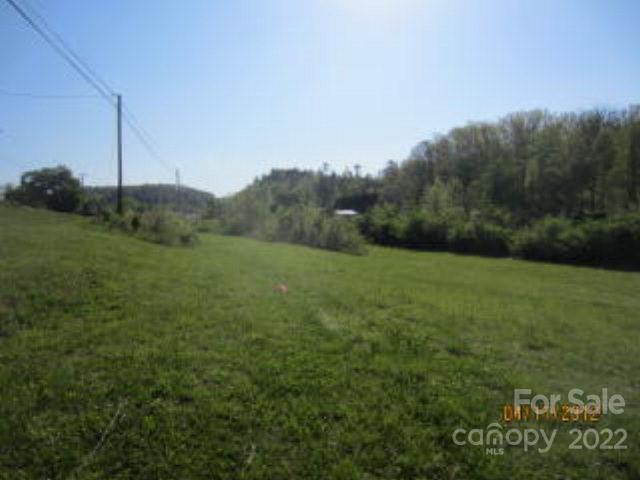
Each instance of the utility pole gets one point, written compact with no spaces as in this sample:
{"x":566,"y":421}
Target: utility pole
{"x":119,"y":109}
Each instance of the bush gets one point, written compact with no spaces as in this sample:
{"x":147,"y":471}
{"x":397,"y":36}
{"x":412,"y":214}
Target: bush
{"x":90,"y":207}
{"x":550,"y":239}
{"x":425,"y":231}
{"x":341,"y":235}
{"x":208,"y":225}
{"x":156,"y":226}
{"x":300,"y":224}
{"x":614,"y":241}
{"x":384,"y":225}
{"x":479,"y":237}
{"x":422,"y":230}
{"x":166,"y":228}
{"x":314,"y":227}
{"x":608,"y":242}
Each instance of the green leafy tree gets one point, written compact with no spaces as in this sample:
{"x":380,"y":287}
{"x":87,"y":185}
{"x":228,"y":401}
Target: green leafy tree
{"x":633,"y":164}
{"x":53,"y":188}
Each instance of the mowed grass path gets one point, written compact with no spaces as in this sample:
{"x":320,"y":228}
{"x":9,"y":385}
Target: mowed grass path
{"x":123,"y":359}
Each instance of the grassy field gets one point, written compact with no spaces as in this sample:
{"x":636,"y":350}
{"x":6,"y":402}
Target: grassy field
{"x":125,"y":359}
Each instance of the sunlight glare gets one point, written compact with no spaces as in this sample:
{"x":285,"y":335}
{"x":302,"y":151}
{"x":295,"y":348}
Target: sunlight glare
{"x":379,"y":10}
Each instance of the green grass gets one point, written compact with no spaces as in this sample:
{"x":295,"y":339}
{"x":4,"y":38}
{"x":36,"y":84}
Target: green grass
{"x":125,"y":359}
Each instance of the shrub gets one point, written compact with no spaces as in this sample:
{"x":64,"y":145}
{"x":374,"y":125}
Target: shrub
{"x":479,"y":237}
{"x":302,"y":224}
{"x":425,"y":231}
{"x":156,"y":226}
{"x":119,"y":222}
{"x":167,"y":228}
{"x":384,"y":225}
{"x":614,"y":241}
{"x":341,"y":235}
{"x":314,"y":227}
{"x":90,"y":207}
{"x":208,"y":225}
{"x":608,"y":242}
{"x":549,"y":239}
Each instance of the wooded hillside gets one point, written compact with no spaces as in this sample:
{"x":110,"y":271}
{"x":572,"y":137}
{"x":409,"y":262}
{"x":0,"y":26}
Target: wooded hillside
{"x":549,"y":186}
{"x":182,"y":200}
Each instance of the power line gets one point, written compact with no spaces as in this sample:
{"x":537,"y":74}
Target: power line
{"x":44,"y":96}
{"x":133,"y":123}
{"x":133,"y":119}
{"x":135,"y":129}
{"x":68,"y":49}
{"x":144,"y":137}
{"x":61,"y":51}
{"x":48,"y":33}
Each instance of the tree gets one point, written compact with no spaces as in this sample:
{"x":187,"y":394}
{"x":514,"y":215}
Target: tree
{"x":445,"y":198}
{"x":633,"y":164}
{"x":469,"y":184}
{"x":53,"y":188}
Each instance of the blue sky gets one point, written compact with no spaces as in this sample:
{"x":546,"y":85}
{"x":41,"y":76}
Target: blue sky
{"x":230,"y":89}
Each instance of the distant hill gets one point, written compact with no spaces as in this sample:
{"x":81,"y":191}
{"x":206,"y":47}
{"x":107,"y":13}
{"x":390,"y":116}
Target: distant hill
{"x":183,"y":200}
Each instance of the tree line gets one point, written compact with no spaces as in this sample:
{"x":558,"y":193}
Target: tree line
{"x":56,"y":188}
{"x":557,"y":187}
{"x":152,"y":212}
{"x":529,"y":165}
{"x":561,"y":187}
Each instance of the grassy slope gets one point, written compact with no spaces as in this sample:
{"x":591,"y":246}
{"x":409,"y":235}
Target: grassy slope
{"x":362,"y":370}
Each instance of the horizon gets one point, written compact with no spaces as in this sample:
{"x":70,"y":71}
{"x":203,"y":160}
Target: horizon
{"x":230,"y":91}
